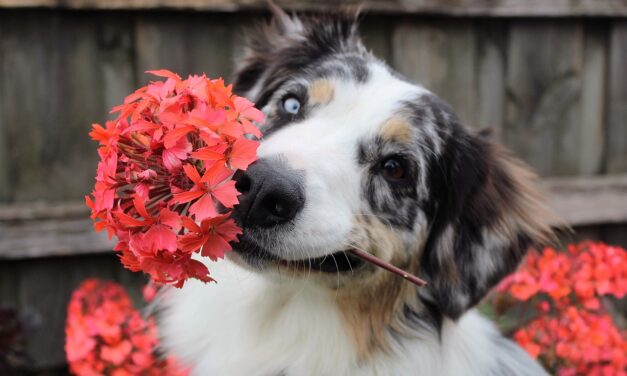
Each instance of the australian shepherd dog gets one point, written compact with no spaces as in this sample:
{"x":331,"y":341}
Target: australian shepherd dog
{"x":356,"y":156}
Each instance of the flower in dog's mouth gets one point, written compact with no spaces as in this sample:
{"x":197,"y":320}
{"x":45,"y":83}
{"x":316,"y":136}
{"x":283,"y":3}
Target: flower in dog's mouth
{"x":164,"y":183}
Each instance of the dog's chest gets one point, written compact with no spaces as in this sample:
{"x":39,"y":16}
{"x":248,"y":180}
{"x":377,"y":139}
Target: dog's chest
{"x":246,"y":325}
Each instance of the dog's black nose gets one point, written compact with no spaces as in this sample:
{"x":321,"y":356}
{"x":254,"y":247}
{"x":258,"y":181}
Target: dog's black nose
{"x":271,"y":194}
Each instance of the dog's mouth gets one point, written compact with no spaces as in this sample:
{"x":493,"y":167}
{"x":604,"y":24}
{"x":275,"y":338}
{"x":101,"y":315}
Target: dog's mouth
{"x":258,"y":257}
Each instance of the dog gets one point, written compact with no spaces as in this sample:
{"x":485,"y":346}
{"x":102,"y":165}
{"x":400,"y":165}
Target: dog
{"x":356,"y":156}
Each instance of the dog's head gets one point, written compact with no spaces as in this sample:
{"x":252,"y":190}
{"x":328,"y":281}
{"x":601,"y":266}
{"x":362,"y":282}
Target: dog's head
{"x":353,"y":155}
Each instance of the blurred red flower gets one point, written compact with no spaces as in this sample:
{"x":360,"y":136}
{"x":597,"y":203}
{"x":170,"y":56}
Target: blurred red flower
{"x":105,"y":335}
{"x":572,"y":333}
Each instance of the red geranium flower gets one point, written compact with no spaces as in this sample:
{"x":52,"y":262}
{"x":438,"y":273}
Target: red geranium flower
{"x":105,"y":335}
{"x":164,"y":183}
{"x":573,"y":332}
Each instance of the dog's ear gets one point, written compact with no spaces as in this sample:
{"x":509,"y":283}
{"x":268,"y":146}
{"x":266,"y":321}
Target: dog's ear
{"x":288,"y":43}
{"x":487,"y":212}
{"x":262,"y":43}
{"x":282,"y":23}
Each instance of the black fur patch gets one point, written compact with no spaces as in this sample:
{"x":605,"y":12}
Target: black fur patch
{"x":395,"y":203}
{"x":322,"y":39}
{"x":463,"y":199}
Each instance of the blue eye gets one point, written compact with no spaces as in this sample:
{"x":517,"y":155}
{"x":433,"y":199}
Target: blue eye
{"x":291,"y":105}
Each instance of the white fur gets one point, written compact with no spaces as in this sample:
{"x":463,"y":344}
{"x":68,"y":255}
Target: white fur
{"x":324,"y":146}
{"x":248,"y":325}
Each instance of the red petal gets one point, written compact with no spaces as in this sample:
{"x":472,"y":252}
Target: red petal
{"x":204,"y":208}
{"x":170,"y":160}
{"x":212,"y":153}
{"x":191,"y":242}
{"x":233,"y":129}
{"x":226,"y":194}
{"x":127,"y":220}
{"x":190,"y":224}
{"x":250,"y":128}
{"x":141,"y":208}
{"x":198,"y":270}
{"x":160,"y":237}
{"x":216,"y":174}
{"x":192,"y":173}
{"x":170,"y":218}
{"x":164,"y":73}
{"x":215,"y":247}
{"x":116,"y":354}
{"x":183,"y":197}
{"x":243,"y":153}
{"x":229,"y":230}
{"x":172,"y":137}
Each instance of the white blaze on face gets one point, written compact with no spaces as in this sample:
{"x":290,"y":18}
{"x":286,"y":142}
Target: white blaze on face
{"x":324,"y":146}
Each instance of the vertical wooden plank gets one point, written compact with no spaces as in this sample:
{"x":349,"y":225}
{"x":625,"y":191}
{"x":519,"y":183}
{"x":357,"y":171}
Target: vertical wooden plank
{"x":543,"y":86}
{"x":5,"y":186}
{"x":616,"y":160}
{"x":245,"y":22}
{"x":185,"y":43}
{"x":376,"y":32}
{"x":491,"y":42}
{"x":440,"y":54}
{"x":8,"y":284}
{"x":45,"y":287}
{"x":53,"y":89}
{"x":24,"y":86}
{"x":591,"y":124}
{"x":158,"y":45}
{"x":210,"y":45}
{"x":117,"y":58}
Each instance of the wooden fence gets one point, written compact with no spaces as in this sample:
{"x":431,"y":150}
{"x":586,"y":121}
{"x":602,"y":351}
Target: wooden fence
{"x":554,"y":88}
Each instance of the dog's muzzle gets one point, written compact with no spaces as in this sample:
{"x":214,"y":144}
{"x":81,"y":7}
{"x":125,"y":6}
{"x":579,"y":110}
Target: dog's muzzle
{"x":271,"y":194}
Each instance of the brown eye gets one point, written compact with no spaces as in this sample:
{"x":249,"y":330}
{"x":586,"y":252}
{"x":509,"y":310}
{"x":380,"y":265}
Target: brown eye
{"x":393,"y":168}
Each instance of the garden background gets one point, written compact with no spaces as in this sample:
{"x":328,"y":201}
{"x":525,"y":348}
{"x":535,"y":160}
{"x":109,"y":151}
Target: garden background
{"x":550,"y":77}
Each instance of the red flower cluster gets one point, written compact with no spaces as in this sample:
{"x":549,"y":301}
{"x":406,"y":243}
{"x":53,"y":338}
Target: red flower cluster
{"x":573,"y":333}
{"x":105,"y":335}
{"x":163,"y":184}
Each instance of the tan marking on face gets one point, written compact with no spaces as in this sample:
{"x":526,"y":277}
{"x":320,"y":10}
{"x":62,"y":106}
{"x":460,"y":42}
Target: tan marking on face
{"x":397,"y":129}
{"x":372,"y":305}
{"x":321,"y":91}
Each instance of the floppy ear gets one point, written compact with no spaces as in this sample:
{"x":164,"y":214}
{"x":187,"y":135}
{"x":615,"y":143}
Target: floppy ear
{"x":487,"y":213}
{"x":287,"y":44}
{"x":261,"y":43}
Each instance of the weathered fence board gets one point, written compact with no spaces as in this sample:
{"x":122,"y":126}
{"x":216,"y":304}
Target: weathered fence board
{"x":543,"y":88}
{"x":617,"y":100}
{"x":185,"y":43}
{"x":116,"y":58}
{"x":440,"y":55}
{"x":377,"y":35}
{"x":490,"y":72}
{"x":515,"y":8}
{"x":586,"y":201}
{"x":55,"y":83}
{"x":591,"y":121}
